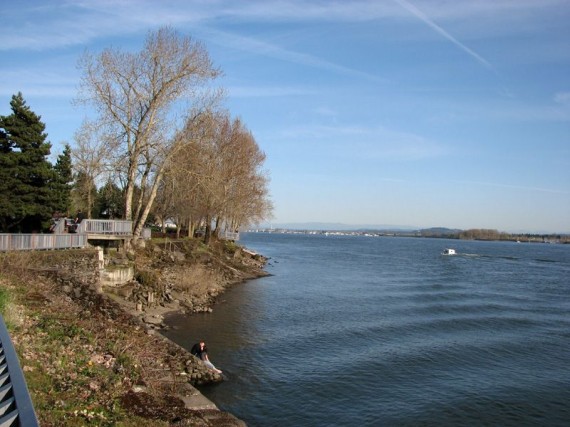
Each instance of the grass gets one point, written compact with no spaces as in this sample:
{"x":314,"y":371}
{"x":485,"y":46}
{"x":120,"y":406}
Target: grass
{"x":72,"y":379}
{"x":4,"y":300}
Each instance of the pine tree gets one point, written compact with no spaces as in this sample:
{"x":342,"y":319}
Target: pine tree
{"x":26,"y":199}
{"x":8,"y":162}
{"x":63,"y":182}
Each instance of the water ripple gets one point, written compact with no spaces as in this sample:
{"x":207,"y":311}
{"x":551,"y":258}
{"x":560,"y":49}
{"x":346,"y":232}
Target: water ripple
{"x":373,"y":332}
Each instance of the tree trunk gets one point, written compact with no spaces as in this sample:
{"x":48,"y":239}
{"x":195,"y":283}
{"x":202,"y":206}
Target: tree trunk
{"x":217,"y":229}
{"x":142,"y":220}
{"x":208,"y":232}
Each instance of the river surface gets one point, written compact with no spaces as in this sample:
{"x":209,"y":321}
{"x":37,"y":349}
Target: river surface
{"x":382,"y":331}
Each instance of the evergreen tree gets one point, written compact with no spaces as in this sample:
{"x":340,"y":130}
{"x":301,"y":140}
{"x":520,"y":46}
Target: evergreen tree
{"x":26,"y":199}
{"x":8,"y":162}
{"x":110,"y":203}
{"x":63,"y":182}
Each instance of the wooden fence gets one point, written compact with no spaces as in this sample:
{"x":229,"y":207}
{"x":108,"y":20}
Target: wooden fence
{"x":229,"y":235}
{"x":105,"y":226}
{"x":29,"y":242}
{"x":66,"y":237}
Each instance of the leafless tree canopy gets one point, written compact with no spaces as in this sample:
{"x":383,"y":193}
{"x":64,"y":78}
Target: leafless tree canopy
{"x":89,"y":156}
{"x":216,"y":176}
{"x":134,"y":95}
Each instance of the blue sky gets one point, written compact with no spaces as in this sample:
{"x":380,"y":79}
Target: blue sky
{"x":394,"y":112}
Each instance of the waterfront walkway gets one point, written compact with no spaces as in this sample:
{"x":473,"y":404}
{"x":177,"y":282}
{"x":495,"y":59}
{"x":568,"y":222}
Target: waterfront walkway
{"x":65,"y":237}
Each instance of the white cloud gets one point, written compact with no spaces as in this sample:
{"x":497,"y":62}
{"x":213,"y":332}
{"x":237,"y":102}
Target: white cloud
{"x":562,"y":98}
{"x":374,"y":143}
{"x":51,"y":24}
{"x":46,"y":82}
{"x":267,"y":91}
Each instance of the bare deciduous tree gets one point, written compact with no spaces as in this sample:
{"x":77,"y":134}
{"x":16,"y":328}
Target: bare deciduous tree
{"x":245,"y":196}
{"x":217,"y":174}
{"x":89,"y":162}
{"x":134,"y":95}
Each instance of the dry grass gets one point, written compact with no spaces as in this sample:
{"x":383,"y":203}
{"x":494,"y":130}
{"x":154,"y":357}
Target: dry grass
{"x":195,"y":281}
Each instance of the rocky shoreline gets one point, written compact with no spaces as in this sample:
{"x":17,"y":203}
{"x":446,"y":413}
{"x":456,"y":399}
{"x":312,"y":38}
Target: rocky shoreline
{"x":171,"y":280}
{"x":125,"y":323}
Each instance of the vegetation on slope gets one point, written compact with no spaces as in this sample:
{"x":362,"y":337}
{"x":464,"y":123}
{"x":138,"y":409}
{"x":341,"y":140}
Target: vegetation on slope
{"x":85,"y":359}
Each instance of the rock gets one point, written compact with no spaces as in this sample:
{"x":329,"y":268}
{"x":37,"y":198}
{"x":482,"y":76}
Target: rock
{"x":139,"y":389}
{"x":153,"y":319}
{"x":178,"y":256}
{"x":126,"y":290}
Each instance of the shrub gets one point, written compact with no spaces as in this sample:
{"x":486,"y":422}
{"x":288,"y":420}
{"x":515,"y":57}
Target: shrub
{"x":147,"y":277}
{"x":231,"y":247}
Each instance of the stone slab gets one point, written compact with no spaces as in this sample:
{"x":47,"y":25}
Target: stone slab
{"x":198,"y":402}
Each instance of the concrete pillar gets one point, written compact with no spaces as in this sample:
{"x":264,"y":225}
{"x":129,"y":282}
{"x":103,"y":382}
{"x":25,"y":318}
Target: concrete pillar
{"x":101,"y":257}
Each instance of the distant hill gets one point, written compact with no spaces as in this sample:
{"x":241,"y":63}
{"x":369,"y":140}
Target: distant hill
{"x":440,"y":230}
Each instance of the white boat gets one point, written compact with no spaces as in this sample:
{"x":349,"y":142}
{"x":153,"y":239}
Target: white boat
{"x":449,"y":251}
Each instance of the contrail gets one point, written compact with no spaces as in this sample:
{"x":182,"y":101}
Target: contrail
{"x":419,"y":14}
{"x":256,"y":46}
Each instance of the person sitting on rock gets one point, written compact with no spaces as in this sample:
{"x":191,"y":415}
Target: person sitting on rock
{"x":201,"y":351}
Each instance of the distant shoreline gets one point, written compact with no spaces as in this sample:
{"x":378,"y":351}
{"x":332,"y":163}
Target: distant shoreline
{"x":436,"y":233}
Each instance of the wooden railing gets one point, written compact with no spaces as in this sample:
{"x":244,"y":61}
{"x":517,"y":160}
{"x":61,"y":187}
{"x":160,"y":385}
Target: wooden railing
{"x":29,"y":242}
{"x":74,"y":238}
{"x":105,"y":226}
{"x":229,"y":235}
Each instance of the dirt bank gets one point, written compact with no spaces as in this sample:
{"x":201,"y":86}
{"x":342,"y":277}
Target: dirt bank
{"x":182,"y":276}
{"x":91,"y":359}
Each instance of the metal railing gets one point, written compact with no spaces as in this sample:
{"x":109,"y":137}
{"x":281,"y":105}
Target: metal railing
{"x":16,"y":408}
{"x":29,"y":242}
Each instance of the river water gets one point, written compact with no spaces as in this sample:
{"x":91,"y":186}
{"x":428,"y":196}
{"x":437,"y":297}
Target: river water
{"x":381,"y":331}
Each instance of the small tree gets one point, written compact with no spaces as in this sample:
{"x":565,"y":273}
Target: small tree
{"x":110,"y":202}
{"x":90,"y":156}
{"x":63,"y":181}
{"x":83,"y":194}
